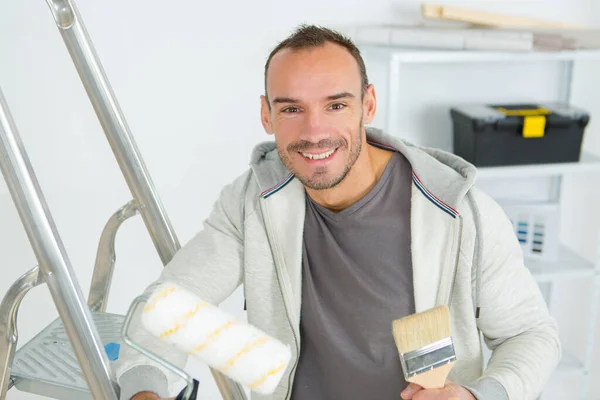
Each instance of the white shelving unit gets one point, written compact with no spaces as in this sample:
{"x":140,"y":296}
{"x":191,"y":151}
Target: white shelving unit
{"x":587,"y":163}
{"x":569,"y":265}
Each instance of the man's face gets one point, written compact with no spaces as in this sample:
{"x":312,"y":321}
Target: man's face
{"x":316,"y":113}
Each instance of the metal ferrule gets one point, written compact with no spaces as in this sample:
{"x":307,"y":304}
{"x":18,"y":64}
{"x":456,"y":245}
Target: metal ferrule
{"x":427,"y":358}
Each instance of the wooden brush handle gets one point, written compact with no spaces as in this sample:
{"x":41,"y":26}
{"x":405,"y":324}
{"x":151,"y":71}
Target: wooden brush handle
{"x":434,"y":379}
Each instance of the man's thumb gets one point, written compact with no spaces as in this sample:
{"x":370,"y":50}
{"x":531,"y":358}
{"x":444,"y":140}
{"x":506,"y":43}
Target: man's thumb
{"x":410,"y":391}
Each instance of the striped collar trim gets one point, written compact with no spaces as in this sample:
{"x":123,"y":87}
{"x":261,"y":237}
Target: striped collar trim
{"x":440,"y":204}
{"x":277,"y":187}
{"x":381,"y":145}
{"x":433,"y":198}
{"x":290,"y":176}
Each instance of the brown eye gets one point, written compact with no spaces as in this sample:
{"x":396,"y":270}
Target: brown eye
{"x":291,"y":110}
{"x":337,"y":106}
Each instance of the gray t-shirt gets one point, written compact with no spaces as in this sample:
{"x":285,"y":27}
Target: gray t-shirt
{"x":357,"y":278}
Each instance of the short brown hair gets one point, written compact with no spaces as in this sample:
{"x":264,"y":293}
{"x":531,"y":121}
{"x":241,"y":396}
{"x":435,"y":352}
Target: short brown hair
{"x":311,"y":36}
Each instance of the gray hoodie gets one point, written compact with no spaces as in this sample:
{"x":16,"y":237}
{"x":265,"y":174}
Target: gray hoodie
{"x":464,"y":253}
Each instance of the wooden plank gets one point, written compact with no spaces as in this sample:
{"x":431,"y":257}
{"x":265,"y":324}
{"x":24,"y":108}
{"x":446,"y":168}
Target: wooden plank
{"x":489,"y":19}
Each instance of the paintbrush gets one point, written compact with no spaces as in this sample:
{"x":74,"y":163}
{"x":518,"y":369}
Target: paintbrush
{"x":424,"y":341}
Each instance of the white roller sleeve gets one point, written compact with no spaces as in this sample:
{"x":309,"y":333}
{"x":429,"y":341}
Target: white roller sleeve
{"x":237,"y":349}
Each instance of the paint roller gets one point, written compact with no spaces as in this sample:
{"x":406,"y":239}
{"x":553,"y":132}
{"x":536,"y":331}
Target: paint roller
{"x":239,"y":350}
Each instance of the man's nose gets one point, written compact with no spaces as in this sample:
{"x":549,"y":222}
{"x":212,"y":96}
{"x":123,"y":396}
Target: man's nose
{"x":315,"y":127}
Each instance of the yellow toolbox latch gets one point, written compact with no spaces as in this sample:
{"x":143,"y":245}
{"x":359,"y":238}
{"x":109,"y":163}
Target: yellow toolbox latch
{"x":534,"y":126}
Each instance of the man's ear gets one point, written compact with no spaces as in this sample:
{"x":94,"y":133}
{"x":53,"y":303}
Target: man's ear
{"x":265,"y":115}
{"x":369,"y":104}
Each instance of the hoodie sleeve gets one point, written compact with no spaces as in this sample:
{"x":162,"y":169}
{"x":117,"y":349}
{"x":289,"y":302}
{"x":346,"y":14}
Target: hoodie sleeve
{"x":514,"y":317}
{"x":211,"y":265}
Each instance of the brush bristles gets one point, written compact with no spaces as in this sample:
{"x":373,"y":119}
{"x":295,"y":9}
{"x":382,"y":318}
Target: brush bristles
{"x":419,"y":330}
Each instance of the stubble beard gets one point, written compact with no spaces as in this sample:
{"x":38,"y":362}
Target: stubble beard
{"x":319,"y":180}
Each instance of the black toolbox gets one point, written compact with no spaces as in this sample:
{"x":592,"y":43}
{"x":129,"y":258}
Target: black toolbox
{"x":514,"y":134}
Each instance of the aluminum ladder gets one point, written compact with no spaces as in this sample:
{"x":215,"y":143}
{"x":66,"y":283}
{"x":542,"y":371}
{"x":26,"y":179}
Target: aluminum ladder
{"x":68,"y":360}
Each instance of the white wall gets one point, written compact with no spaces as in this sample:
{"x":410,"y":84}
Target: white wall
{"x":188,"y":77}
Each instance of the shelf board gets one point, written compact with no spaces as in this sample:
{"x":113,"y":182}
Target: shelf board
{"x":569,"y":265}
{"x":492,"y":56}
{"x":3,"y":187}
{"x":412,"y":55}
{"x":587,"y":163}
{"x":569,"y":364}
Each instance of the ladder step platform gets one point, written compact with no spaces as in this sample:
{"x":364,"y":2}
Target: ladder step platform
{"x":48,"y":366}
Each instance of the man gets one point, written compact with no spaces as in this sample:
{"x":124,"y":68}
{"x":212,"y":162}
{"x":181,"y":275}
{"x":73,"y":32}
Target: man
{"x":337,"y":229}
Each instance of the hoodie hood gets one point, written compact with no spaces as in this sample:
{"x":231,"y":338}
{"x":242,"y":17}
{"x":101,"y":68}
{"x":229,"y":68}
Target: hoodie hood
{"x":445,"y":175}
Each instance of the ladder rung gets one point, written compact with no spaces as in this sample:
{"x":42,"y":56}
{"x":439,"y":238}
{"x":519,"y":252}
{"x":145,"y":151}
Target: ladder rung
{"x":47,"y":365}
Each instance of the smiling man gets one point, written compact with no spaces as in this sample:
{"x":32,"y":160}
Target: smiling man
{"x":338,"y":229}
{"x":318,"y":119}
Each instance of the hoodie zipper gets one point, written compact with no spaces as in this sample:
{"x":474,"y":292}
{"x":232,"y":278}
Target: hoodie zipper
{"x":276,"y":249}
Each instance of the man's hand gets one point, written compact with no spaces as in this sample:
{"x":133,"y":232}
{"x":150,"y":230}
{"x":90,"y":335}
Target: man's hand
{"x":450,"y":391}
{"x":149,"y":396}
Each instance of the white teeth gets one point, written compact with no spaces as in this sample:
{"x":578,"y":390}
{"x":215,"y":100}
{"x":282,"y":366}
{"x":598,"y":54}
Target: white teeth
{"x":318,"y":156}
